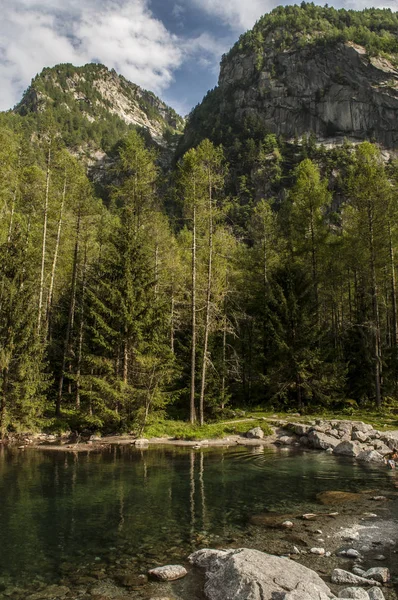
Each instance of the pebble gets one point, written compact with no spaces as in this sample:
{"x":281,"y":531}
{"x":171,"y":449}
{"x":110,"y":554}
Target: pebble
{"x":309,"y":516}
{"x":379,"y":498}
{"x":358,"y":571}
{"x":295,"y":550}
{"x":319,"y":551}
{"x":287,"y":524}
{"x":168,"y":572}
{"x":379,"y":557}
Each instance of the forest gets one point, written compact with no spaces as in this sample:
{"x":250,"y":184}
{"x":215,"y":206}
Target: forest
{"x":262,"y":275}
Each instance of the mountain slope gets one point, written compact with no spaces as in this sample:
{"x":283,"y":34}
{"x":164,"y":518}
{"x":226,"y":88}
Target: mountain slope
{"x":92,"y":105}
{"x":305,"y":70}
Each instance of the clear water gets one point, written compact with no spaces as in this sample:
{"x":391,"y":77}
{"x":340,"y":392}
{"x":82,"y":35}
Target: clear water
{"x":152,"y":505}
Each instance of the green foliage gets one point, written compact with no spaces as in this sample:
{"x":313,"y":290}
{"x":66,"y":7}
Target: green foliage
{"x":180,"y":430}
{"x":309,"y":24}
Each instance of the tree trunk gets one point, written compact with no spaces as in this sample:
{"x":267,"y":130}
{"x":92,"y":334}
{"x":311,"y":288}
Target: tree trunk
{"x":193,"y":320}
{"x":55,"y":259}
{"x":208,"y":301}
{"x":44,"y":242}
{"x":71,"y":316}
{"x":375,"y":308}
{"x":81,"y":330}
{"x":3,"y":403}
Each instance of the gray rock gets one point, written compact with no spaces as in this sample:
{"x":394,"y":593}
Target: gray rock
{"x":375,"y":594}
{"x":352,"y":553}
{"x":347,"y":448}
{"x":320,"y":440}
{"x":361,"y":426}
{"x":301,"y":429}
{"x":354,"y":592}
{"x":168,"y":572}
{"x":286,"y":440}
{"x":359,"y":436}
{"x":379,"y":557}
{"x":370,"y":456}
{"x":141,"y":442}
{"x":245,"y":574}
{"x":380,"y":574}
{"x":340,"y":576}
{"x":256,"y":433}
{"x":358,"y":571}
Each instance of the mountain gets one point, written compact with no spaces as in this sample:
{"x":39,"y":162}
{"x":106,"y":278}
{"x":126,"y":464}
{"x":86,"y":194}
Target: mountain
{"x":307,"y":70}
{"x":93,"y":108}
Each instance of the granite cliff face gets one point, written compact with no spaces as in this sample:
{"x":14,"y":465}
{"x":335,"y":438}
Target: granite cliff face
{"x":332,"y":90}
{"x":306,"y":70}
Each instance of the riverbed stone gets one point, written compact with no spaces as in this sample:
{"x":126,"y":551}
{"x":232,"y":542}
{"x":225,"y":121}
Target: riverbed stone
{"x":168,"y":572}
{"x":301,"y":428}
{"x":354,"y":592}
{"x":50,"y":592}
{"x":338,"y":497}
{"x":347,"y":448}
{"x":286,"y":440}
{"x":340,"y":576}
{"x":256,"y":433}
{"x":380,"y":574}
{"x":352,"y":553}
{"x":245,"y":574}
{"x":319,"y":551}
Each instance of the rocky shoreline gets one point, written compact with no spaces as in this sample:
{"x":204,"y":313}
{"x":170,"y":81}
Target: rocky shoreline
{"x":355,"y":439}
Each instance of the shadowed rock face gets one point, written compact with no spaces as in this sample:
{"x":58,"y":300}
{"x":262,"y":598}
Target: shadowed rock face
{"x":330,"y":90}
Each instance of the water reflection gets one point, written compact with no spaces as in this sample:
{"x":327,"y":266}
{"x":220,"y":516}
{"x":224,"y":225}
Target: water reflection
{"x":154,"y":504}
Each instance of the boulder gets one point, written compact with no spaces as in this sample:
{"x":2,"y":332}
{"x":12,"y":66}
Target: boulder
{"x":168,"y":572}
{"x":368,"y":456}
{"x":347,"y":448}
{"x":354,"y":592}
{"x":245,"y":574}
{"x":256,"y":433}
{"x":340,"y":576}
{"x":380,"y":574}
{"x":300,"y":428}
{"x":361,"y":426}
{"x":141,"y":442}
{"x":320,"y":440}
{"x":375,"y":594}
{"x":359,"y":436}
{"x":286,"y":440}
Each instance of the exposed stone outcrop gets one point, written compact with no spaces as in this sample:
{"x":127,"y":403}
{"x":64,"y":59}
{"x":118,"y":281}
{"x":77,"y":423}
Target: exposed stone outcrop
{"x":329,"y":90}
{"x":245,"y":574}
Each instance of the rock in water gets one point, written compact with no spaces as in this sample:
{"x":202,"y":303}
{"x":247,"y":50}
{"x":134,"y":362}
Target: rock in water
{"x":245,"y":574}
{"x":347,"y":448}
{"x":168,"y":572}
{"x":256,"y":433}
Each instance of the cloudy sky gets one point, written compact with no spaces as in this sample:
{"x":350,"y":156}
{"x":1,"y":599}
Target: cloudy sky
{"x":172,"y":47}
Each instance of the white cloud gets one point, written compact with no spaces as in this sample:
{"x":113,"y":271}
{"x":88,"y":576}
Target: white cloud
{"x":122,"y":34}
{"x":238,"y":14}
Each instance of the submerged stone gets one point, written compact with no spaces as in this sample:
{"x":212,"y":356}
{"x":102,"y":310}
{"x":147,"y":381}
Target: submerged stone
{"x":168,"y":572}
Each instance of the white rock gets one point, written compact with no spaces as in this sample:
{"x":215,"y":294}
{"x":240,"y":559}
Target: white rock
{"x":351,"y":553}
{"x":287,"y":524}
{"x":375,"y":594}
{"x":319,"y":551}
{"x":168,"y":572}
{"x":245,"y":574}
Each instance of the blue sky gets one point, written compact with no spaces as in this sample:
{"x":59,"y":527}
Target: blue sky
{"x":172,"y":47}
